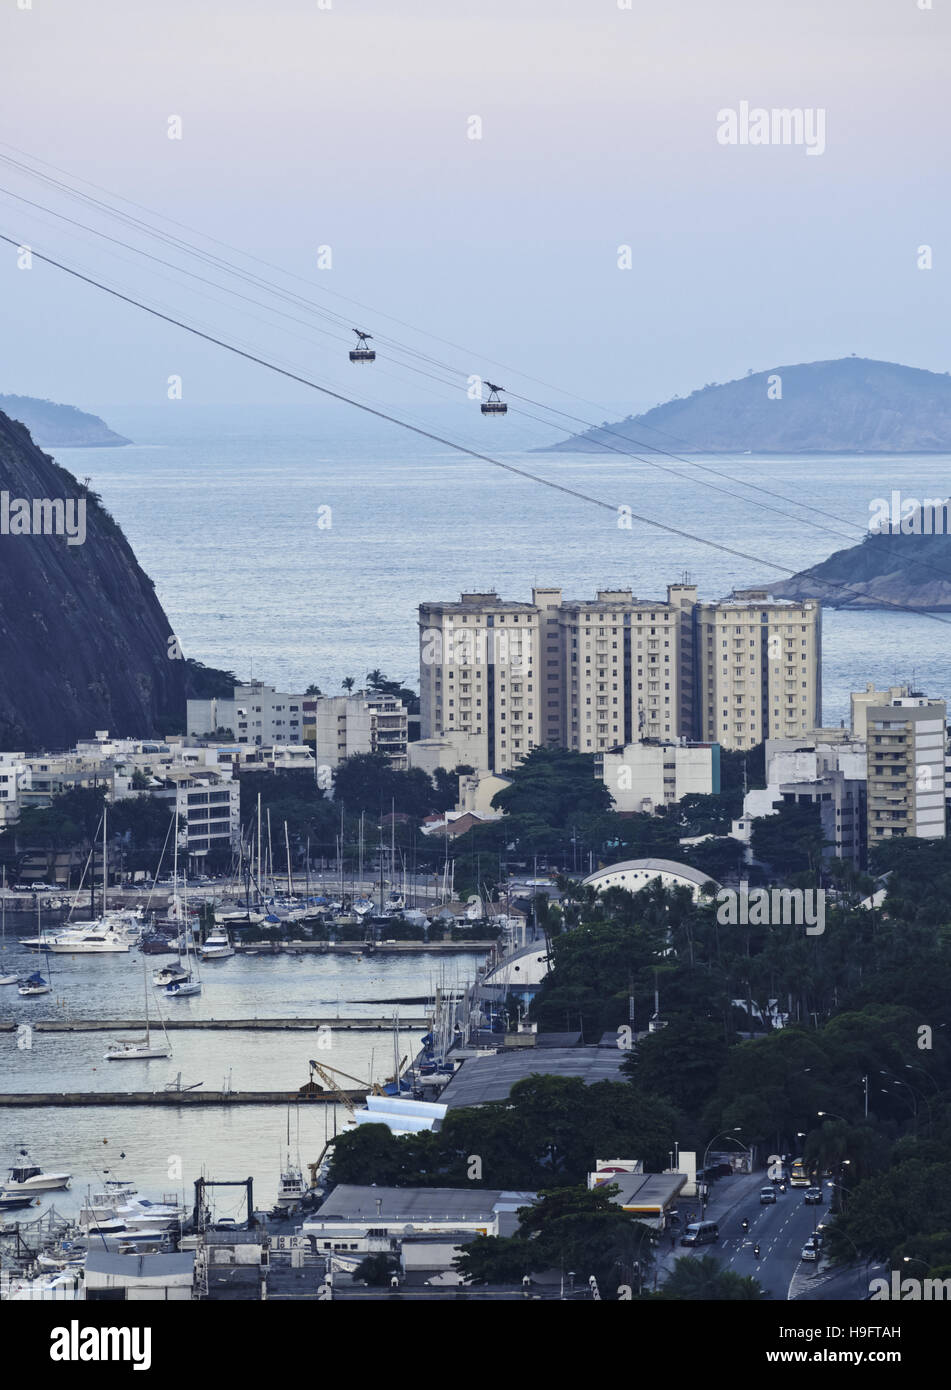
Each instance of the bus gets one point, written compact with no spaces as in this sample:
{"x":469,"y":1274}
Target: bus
{"x":798,"y":1175}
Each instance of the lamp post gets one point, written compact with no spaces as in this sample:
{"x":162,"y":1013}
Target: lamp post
{"x":703,"y":1192}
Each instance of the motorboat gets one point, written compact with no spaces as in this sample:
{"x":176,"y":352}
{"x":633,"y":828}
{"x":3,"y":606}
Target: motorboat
{"x":14,"y":1201}
{"x":290,"y":1189}
{"x":141,"y":1215}
{"x":216,"y":946}
{"x":89,"y":941}
{"x":29,"y":1177}
{"x":66,"y":1285}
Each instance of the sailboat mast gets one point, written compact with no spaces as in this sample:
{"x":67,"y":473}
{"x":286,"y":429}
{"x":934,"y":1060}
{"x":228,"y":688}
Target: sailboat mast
{"x":270,"y":852}
{"x":105,"y":863}
{"x":259,"y":847}
{"x":287,"y":846}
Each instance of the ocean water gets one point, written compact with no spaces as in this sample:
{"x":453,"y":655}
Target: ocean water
{"x":228,"y":512}
{"x":222,"y":1142}
{"x":296,"y":542}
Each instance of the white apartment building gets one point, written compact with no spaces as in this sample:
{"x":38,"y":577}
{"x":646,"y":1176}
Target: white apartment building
{"x":593,"y":674}
{"x":208,"y":802}
{"x":255,"y":714}
{"x":906,"y":768}
{"x":479,"y":674}
{"x":649,"y":776}
{"x":758,"y":663}
{"x":341,"y":726}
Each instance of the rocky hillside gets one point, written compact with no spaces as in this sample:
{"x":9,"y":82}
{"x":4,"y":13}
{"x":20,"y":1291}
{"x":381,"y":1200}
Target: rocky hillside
{"x":884,"y":570}
{"x":59,"y":426}
{"x":84,"y":642}
{"x":852,"y":405}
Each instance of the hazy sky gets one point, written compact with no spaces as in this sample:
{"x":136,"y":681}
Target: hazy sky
{"x":348,"y":127}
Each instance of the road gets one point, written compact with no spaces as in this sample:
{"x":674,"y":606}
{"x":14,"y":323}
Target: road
{"x":780,"y":1229}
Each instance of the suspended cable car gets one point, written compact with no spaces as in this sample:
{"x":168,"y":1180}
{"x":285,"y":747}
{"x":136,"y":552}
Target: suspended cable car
{"x":493,"y":406}
{"x":361,"y":352}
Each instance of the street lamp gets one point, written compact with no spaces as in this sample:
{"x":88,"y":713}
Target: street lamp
{"x":703,"y":1194}
{"x":914,"y":1259}
{"x":834,"y":1116}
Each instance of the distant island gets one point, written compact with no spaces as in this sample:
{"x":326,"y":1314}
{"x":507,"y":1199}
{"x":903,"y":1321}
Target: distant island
{"x":56,"y":426}
{"x":850,"y":405}
{"x":885,"y":570}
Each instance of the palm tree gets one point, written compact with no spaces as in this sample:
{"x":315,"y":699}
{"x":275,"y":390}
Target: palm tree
{"x":375,"y":678}
{"x":313,"y":690}
{"x":348,"y":683}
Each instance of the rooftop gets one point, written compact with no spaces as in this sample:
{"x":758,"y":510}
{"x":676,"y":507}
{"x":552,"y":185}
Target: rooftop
{"x":484,"y":1079}
{"x":411,"y":1204}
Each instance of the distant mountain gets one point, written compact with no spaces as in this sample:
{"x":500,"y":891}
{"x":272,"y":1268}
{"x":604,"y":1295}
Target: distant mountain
{"x":59,"y":426}
{"x":851,"y":405}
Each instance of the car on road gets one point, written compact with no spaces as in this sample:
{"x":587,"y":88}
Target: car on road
{"x":813,"y":1196}
{"x":812,"y":1248}
{"x":767,"y":1195}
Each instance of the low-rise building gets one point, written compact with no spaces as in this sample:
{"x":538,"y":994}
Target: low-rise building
{"x":649,"y":775}
{"x":254,"y":714}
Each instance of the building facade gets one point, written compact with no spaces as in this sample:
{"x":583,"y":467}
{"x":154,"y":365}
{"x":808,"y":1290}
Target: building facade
{"x":597,"y":674}
{"x":906,"y":768}
{"x":758,"y":663}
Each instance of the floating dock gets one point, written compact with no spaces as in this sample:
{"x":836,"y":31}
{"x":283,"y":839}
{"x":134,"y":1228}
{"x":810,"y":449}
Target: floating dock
{"x":59,"y":1099}
{"x":259,"y":1025}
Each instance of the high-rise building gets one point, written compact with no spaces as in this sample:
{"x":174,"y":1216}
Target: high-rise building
{"x":758,"y":668}
{"x":479,"y":674}
{"x":597,"y":674}
{"x":906,"y":768}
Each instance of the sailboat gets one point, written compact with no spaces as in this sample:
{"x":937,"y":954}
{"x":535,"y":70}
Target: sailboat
{"x":35,"y":983}
{"x":191,"y":984}
{"x":142,"y":1049}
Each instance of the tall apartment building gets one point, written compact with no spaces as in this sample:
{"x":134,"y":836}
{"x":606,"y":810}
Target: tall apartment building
{"x":596,"y":674}
{"x":758,"y":668}
{"x":340,"y":726}
{"x":480,"y":674}
{"x":906,"y":767}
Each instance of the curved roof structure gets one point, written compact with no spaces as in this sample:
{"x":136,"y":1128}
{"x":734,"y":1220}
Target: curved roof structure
{"x":634,"y":874}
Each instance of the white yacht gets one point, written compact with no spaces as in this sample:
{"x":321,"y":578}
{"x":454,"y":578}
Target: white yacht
{"x":29,"y":1177}
{"x":216,"y":946}
{"x":89,"y":940}
{"x":142,"y":1215}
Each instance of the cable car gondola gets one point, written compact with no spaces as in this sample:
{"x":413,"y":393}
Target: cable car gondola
{"x":361,"y":352}
{"x":493,"y":406}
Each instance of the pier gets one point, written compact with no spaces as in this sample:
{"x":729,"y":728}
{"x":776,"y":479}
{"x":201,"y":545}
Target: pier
{"x":262,"y":1025}
{"x":37,"y":1099}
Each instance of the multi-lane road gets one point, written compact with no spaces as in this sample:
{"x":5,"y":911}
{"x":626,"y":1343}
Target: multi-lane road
{"x":781,"y":1229}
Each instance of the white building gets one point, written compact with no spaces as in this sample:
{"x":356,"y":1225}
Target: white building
{"x":150,"y":1278}
{"x":635,"y":874}
{"x":255,"y":714}
{"x":342,"y":726}
{"x":648,"y":776}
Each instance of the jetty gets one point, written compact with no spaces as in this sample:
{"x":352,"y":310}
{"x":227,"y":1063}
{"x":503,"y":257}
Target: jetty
{"x":62,"y":1099}
{"x":260,"y":1025}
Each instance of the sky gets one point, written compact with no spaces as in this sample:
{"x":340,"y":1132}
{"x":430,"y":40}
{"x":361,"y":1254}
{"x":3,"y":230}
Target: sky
{"x":346,"y":124}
